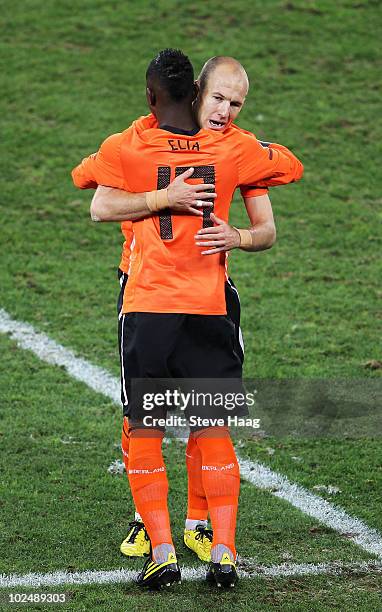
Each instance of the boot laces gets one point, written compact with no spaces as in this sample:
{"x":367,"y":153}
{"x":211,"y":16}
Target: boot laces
{"x":203,"y":532}
{"x":136,"y":527}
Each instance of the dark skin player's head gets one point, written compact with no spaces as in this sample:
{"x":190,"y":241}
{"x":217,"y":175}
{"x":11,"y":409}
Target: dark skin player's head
{"x":170,"y":89}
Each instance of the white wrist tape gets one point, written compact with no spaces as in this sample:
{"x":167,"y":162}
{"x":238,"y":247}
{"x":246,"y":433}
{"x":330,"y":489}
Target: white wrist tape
{"x":246,"y":238}
{"x":157,"y":200}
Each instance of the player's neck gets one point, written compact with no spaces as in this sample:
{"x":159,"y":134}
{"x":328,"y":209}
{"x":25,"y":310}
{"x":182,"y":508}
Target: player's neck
{"x":177,"y":118}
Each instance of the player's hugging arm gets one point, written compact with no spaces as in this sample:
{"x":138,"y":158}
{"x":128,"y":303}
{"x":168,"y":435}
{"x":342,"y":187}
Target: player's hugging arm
{"x":262,"y":164}
{"x":261,"y":234}
{"x":110,"y":204}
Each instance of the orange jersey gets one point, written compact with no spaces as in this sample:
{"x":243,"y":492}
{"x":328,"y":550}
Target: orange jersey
{"x":127,"y":226}
{"x":246,"y":192}
{"x":128,"y":235}
{"x":167,"y":271}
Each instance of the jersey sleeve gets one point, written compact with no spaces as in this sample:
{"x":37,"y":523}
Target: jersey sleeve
{"x":101,"y":168}
{"x":252,"y":191}
{"x":267,"y":165}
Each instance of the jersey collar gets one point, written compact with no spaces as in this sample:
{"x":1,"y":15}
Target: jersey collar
{"x":175,"y":130}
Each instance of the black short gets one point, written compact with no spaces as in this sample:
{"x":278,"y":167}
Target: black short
{"x":232,"y":301}
{"x":204,"y":368}
{"x":122,"y":277}
{"x":164,"y":351}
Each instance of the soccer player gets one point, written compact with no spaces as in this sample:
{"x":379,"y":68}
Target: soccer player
{"x":223,"y":85}
{"x":175,"y":295}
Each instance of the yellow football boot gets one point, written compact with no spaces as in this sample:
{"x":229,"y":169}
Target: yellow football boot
{"x":137,"y":541}
{"x":199,"y":540}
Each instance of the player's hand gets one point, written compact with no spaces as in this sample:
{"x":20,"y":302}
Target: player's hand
{"x":221,"y":237}
{"x":188,"y":198}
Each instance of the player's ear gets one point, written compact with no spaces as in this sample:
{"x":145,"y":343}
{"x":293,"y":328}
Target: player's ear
{"x":150,"y":97}
{"x":196,"y":91}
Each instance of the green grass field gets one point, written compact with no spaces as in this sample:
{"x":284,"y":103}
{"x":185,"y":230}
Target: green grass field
{"x":74,"y":73}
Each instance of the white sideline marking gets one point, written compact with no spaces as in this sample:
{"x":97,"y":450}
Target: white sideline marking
{"x":249,"y":570}
{"x":314,"y":506}
{"x":256,"y":473}
{"x":50,"y":351}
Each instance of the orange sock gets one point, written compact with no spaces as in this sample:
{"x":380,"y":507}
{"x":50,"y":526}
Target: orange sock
{"x":148,"y":483}
{"x":221,"y":481}
{"x":125,"y":443}
{"x":125,"y":440}
{"x":197,"y":508}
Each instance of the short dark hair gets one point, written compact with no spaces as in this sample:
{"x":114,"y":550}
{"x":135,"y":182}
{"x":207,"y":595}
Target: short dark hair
{"x":174,"y":71}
